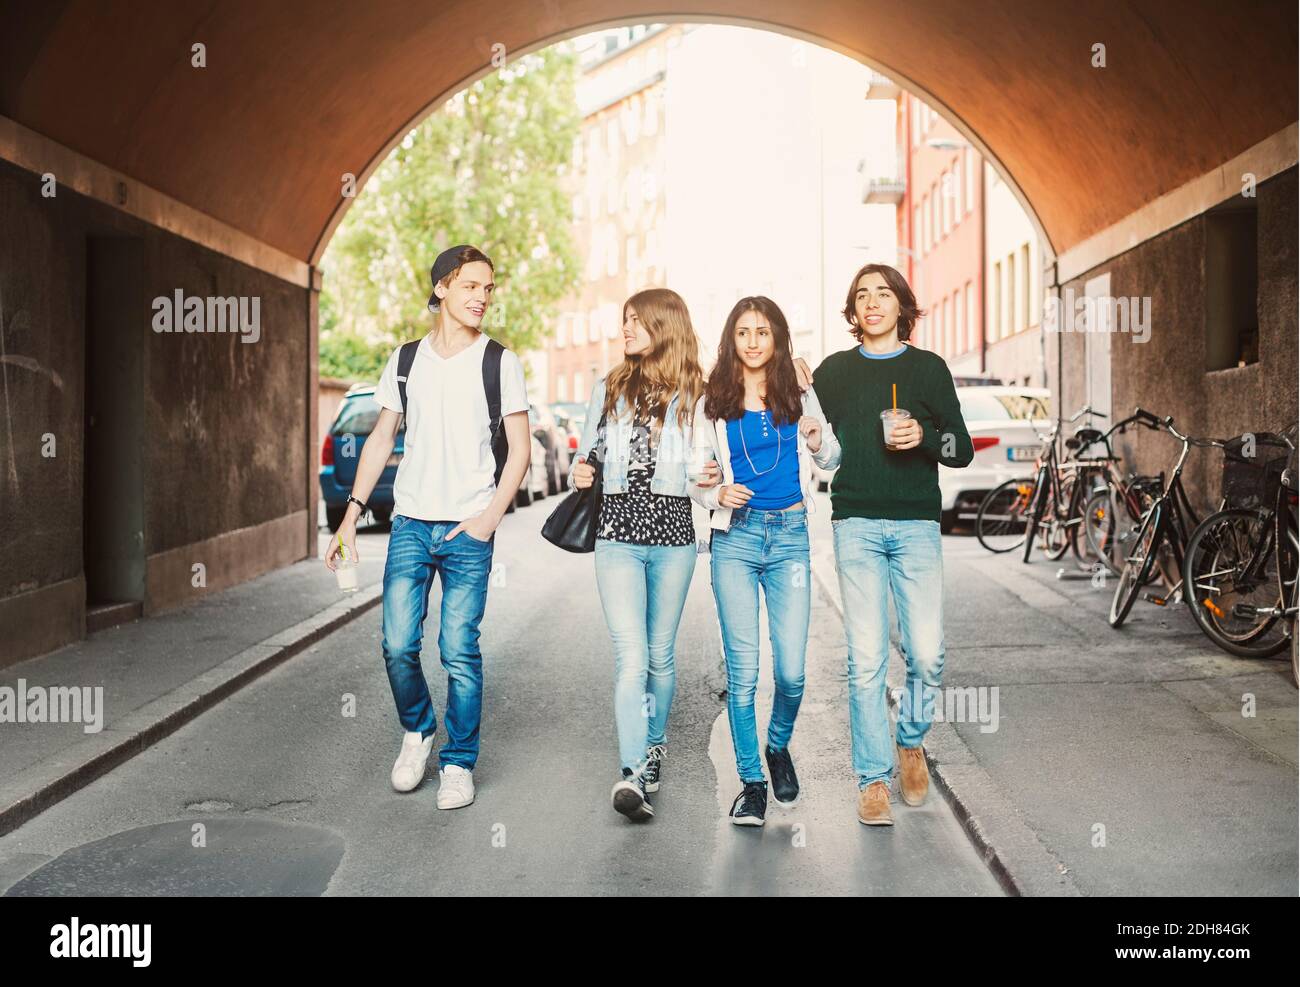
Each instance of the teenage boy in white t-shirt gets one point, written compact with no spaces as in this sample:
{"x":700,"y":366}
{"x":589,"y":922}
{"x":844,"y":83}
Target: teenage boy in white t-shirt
{"x":446,"y":507}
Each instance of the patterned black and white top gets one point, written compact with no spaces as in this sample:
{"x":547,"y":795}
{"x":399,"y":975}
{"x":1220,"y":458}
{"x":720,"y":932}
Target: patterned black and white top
{"x":640,"y":517}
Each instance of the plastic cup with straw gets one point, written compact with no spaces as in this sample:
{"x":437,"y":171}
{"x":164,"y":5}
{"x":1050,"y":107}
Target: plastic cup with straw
{"x":890,"y":417}
{"x":346,"y":570}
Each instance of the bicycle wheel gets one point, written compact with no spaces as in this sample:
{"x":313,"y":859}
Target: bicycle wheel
{"x":1100,"y":528}
{"x":1037,"y":505}
{"x":1000,"y":521}
{"x":1218,"y":577}
{"x":1061,"y":526}
{"x":1137,"y":567}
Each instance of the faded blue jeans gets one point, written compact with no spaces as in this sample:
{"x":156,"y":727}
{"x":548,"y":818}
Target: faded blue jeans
{"x":416,"y":551}
{"x":877,"y":557}
{"x":768,"y":549}
{"x":642,"y":591}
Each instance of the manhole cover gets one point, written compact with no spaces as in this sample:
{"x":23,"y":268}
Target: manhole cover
{"x":244,"y":857}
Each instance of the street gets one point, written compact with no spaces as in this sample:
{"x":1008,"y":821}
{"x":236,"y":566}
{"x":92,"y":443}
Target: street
{"x":293,"y":795}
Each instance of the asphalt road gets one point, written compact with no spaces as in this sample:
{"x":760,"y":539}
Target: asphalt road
{"x":283,"y":788}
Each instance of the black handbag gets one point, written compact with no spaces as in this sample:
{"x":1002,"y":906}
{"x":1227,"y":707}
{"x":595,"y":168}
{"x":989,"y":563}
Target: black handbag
{"x":572,"y":525}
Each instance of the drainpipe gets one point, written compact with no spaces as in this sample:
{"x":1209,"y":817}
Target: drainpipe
{"x":984,"y":254}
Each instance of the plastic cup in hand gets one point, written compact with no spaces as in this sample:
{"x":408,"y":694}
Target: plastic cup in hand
{"x":889,"y":418}
{"x":345,"y":570}
{"x":698,"y":469}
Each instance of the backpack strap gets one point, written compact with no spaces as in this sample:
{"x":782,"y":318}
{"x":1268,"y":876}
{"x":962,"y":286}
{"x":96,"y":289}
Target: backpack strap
{"x":492,"y":354}
{"x":405,"y":360}
{"x":492,"y":381}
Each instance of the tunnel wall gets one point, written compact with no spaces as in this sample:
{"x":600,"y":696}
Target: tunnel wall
{"x":223,"y":424}
{"x":1167,"y":374}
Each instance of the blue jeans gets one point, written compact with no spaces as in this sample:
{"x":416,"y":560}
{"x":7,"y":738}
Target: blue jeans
{"x":416,"y":550}
{"x":642,"y":591}
{"x":877,"y":556}
{"x":767,"y":548}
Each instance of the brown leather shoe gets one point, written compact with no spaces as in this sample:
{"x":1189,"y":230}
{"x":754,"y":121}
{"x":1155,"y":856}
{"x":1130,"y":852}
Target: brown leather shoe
{"x":913,"y":774}
{"x":873,"y":805}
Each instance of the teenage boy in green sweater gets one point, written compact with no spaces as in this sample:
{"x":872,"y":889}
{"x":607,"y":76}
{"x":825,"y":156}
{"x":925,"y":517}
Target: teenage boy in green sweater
{"x":885,"y":500}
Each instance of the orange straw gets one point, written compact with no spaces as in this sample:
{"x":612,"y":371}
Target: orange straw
{"x":894,"y":388}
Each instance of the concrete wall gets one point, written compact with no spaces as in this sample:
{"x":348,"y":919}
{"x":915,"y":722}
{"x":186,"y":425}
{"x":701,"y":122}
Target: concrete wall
{"x":1166,"y":374}
{"x":223,"y":421}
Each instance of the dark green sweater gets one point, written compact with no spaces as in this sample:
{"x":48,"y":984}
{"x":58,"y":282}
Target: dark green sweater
{"x":873,"y":482}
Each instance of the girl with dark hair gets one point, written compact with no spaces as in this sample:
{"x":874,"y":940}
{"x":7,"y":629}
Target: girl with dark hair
{"x":764,"y":436}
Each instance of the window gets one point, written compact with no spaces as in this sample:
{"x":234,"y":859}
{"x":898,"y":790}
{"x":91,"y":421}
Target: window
{"x":562,"y":330}
{"x":945,"y":193}
{"x":650,"y":117}
{"x":1026,"y":297}
{"x":936,"y":214}
{"x":561,"y":388}
{"x":955,"y":172}
{"x":916,"y":228}
{"x":996,"y":308}
{"x":916,"y":123}
{"x":963,"y":343}
{"x":972,"y":328}
{"x":947,"y":326}
{"x":969,"y":155}
{"x":924,"y":231}
{"x":632,"y":120}
{"x":1231,"y":286}
{"x":578,"y":393}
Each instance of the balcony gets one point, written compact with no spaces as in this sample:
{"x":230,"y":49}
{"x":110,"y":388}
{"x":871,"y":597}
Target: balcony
{"x":884,"y":191}
{"x":881,"y":87}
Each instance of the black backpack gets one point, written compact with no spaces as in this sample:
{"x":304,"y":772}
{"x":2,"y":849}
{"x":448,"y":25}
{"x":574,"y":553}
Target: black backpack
{"x":491,"y":387}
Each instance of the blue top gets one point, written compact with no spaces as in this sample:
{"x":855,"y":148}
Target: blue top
{"x":771,"y":469}
{"x":882,"y":356}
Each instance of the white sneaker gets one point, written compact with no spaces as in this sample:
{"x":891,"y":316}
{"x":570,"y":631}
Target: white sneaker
{"x":456,"y":788}
{"x":408,"y":769}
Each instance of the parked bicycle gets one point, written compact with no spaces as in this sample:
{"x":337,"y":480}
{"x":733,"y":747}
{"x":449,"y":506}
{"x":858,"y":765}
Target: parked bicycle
{"x":1240,"y":566}
{"x":1165,"y":527}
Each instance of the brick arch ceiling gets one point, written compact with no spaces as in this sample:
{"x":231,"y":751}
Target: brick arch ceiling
{"x":298,"y":92}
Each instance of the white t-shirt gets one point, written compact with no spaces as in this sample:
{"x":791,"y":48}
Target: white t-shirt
{"x":447,"y":470}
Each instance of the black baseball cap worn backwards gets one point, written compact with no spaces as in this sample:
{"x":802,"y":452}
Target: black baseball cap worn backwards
{"x":444,"y":265}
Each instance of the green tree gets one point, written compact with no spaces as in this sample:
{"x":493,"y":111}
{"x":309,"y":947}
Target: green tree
{"x":488,"y":168}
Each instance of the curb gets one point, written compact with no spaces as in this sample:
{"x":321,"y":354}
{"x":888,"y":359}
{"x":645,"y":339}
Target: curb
{"x":1009,"y":848}
{"x":48,"y":782}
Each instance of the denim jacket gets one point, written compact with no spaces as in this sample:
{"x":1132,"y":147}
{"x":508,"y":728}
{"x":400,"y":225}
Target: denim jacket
{"x":672,"y":455}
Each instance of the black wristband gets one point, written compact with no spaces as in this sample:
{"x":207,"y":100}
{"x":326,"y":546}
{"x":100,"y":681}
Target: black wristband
{"x":364,"y":507}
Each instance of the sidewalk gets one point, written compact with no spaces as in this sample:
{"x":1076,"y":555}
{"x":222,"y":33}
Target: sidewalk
{"x":1138,"y":761}
{"x":159,"y":673}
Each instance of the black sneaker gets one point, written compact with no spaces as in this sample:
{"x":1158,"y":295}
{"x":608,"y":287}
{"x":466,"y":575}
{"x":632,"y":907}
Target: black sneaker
{"x":785,"y":784}
{"x":628,"y":796}
{"x":750,"y":807}
{"x":654,"y":759}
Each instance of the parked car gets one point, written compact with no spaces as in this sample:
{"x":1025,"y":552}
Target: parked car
{"x":555,"y":446}
{"x":1005,"y":425}
{"x":1004,"y":422}
{"x":346,"y":438}
{"x":571,"y":416}
{"x":341,"y":450}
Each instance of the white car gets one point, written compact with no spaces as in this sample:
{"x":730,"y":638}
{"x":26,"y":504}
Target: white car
{"x":1006,"y":424}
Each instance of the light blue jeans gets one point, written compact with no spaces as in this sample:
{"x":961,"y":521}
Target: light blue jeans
{"x":876,"y":557}
{"x":642,"y":591}
{"x":767,"y":548}
{"x":416,"y":552}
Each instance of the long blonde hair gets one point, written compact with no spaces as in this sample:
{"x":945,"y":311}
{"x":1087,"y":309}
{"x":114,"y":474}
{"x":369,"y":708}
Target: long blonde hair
{"x":647,"y":382}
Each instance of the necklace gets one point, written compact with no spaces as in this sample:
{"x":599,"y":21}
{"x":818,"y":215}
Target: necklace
{"x":745,"y":446}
